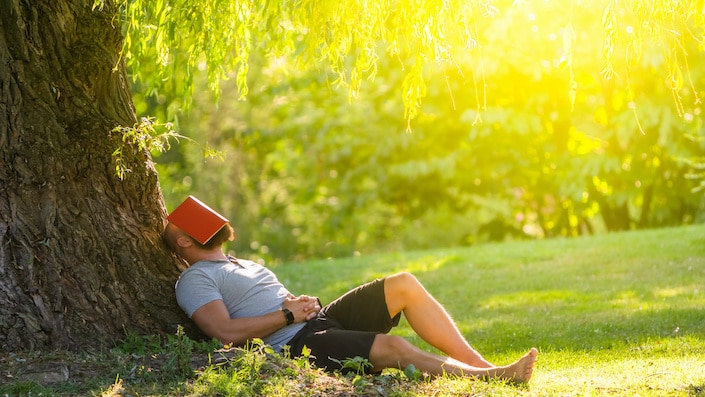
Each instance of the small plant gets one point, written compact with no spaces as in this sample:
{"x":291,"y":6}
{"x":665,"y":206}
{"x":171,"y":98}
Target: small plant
{"x":140,"y":345}
{"x":413,"y":373}
{"x":179,"y":349}
{"x":144,"y":135}
{"x":356,"y":368}
{"x":151,"y":136}
{"x":357,"y":365}
{"x":153,"y":358}
{"x":246,"y":371}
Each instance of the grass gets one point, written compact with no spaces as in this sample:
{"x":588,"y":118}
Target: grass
{"x":612,"y":315}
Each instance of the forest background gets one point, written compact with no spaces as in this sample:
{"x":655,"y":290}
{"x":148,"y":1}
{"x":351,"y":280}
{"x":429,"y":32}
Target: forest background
{"x":527,"y":134}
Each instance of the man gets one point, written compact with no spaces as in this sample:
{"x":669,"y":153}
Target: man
{"x":235,"y":300}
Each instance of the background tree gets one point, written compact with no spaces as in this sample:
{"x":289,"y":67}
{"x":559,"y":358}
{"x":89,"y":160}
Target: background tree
{"x":323,"y":177}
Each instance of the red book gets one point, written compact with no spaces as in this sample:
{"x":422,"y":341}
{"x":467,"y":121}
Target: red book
{"x":197,"y":219}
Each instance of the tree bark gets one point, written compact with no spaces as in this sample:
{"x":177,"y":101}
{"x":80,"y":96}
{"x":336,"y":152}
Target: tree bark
{"x":81,"y":259}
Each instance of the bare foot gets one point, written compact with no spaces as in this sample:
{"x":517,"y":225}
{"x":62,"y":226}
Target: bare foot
{"x":521,"y":370}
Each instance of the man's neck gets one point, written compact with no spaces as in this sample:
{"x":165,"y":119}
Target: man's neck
{"x":203,"y":255}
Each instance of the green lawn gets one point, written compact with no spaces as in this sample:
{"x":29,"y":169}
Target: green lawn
{"x":612,"y":315}
{"x":617,"y":314}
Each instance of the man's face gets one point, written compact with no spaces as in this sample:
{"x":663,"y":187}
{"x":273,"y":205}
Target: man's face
{"x":171,"y":235}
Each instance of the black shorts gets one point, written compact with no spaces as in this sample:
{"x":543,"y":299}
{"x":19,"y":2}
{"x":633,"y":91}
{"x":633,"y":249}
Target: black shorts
{"x":346,"y":328}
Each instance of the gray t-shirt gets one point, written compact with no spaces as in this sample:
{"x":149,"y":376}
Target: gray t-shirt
{"x":247,"y":289}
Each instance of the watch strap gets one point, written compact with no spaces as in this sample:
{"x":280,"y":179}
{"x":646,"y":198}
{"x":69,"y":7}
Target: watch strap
{"x":288,"y":315}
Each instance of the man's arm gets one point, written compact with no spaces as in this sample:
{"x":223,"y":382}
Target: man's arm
{"x":214,"y":320}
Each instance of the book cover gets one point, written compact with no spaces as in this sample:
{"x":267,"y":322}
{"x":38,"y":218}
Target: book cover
{"x":197,"y":219}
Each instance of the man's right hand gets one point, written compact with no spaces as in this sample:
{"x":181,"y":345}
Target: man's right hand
{"x":304,"y":307}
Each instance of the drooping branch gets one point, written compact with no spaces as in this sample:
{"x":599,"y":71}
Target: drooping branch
{"x":167,"y":40}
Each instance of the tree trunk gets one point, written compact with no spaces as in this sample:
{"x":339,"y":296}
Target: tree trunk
{"x":646,"y":206}
{"x":81,"y":259}
{"x":615,"y":217}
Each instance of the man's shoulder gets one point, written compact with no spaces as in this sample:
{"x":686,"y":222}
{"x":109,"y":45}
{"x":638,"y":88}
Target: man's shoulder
{"x":199,"y":270}
{"x":214,"y":268}
{"x":243,"y":262}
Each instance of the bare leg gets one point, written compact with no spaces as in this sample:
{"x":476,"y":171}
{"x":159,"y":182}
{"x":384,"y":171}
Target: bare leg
{"x":429,"y":319}
{"x":390,"y":351}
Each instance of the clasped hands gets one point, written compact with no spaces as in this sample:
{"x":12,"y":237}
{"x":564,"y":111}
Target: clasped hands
{"x":304,"y":307}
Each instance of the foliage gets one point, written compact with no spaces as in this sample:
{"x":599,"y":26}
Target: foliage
{"x":310,"y":174}
{"x":166,"y":41}
{"x":150,"y":136}
{"x":623,"y":310}
{"x":145,"y":135}
{"x":573,"y":128}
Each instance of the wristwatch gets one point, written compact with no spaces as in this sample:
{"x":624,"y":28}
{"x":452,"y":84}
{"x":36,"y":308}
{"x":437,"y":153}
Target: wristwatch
{"x":289,"y":316}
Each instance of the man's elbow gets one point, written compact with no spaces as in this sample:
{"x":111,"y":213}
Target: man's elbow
{"x":227,"y":339}
{"x":236,"y":342}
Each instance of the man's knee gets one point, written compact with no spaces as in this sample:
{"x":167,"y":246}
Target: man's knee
{"x":390,"y":351}
{"x":403,"y":282}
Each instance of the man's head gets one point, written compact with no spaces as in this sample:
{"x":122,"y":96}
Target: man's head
{"x":193,"y":229}
{"x":180,"y":242}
